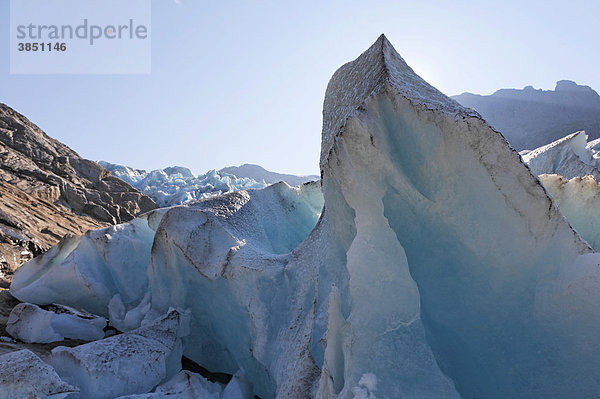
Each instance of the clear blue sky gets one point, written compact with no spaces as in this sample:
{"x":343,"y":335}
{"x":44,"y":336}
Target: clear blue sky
{"x":237,"y":82}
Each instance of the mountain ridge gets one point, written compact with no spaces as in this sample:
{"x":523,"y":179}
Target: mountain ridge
{"x":529,"y":118}
{"x":259,"y":173}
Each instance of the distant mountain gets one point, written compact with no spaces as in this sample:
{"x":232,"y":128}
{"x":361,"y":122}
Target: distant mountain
{"x":259,"y":173}
{"x":47,"y":190}
{"x":178,"y":185}
{"x":530,"y":118}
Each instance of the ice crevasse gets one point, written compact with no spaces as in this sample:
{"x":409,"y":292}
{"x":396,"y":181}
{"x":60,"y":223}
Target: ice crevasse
{"x":438,"y":268}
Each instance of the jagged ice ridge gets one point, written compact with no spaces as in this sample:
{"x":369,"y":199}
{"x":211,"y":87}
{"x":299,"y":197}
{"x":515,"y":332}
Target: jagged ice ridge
{"x":178,"y":185}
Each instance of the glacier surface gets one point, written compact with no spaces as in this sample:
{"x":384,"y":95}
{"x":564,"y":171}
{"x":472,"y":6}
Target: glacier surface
{"x":569,"y":169}
{"x":88,"y":271}
{"x":178,"y":185}
{"x":570,"y":156}
{"x":439,"y":267}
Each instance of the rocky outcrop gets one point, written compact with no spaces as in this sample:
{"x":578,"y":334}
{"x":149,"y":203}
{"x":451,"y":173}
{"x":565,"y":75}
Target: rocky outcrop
{"x":47,"y":190}
{"x":29,"y":225}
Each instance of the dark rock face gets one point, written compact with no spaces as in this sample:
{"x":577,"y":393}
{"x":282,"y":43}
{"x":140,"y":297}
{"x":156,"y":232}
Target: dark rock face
{"x":47,"y":190}
{"x":530,"y":118}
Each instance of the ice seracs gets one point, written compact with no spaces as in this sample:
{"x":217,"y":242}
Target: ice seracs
{"x":461,"y":308}
{"x":178,"y":185}
{"x":569,"y":168}
{"x":196,"y":257}
{"x":570,"y":156}
{"x":230,"y":261}
{"x":439,"y":267}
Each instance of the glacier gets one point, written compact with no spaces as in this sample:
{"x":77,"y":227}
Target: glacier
{"x":428,"y":263}
{"x":569,"y":169}
{"x":571,"y":156}
{"x":87,"y":272}
{"x":178,"y":185}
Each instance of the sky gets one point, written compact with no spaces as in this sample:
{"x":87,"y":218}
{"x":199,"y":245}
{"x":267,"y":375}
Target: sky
{"x":236,"y":82}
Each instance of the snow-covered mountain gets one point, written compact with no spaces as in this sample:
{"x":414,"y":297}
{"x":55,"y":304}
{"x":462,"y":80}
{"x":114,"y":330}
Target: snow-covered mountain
{"x":433,"y":265}
{"x":530,"y":118}
{"x":178,"y":185}
{"x":259,"y":173}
